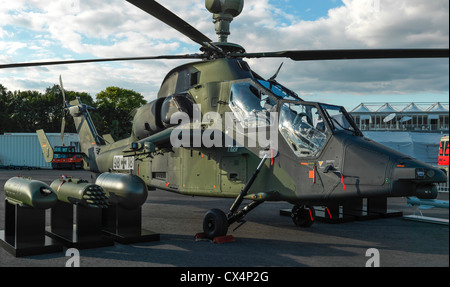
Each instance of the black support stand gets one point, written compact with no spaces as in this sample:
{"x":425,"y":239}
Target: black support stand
{"x":84,"y":233}
{"x":125,"y":226}
{"x":332,"y":214}
{"x":24,"y":233}
{"x":379,"y":206}
{"x":352,"y":210}
{"x":356,"y":208}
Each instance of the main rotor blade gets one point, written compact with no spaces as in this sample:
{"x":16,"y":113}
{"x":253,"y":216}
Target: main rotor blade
{"x":37,"y":64}
{"x":163,"y":14}
{"x":62,"y":91}
{"x":319,"y":55}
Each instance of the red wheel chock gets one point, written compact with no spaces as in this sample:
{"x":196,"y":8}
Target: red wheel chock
{"x":217,"y":240}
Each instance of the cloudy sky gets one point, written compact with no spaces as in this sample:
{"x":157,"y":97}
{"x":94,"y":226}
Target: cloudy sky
{"x":32,"y":30}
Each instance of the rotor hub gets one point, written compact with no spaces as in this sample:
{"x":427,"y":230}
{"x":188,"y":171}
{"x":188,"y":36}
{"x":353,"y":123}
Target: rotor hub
{"x":226,"y":48}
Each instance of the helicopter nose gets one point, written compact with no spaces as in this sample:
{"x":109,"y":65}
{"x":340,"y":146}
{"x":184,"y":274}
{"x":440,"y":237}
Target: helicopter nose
{"x":413,"y":178}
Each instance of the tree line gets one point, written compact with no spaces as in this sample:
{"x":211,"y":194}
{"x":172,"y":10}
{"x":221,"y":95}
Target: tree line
{"x":28,"y":111}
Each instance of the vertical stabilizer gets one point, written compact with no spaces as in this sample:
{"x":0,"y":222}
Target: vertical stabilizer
{"x":47,"y":149}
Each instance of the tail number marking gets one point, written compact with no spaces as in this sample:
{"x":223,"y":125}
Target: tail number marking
{"x":123,"y":163}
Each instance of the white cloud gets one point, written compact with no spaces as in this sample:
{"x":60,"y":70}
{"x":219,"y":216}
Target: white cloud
{"x":57,"y":29}
{"x":355,"y":25}
{"x":4,"y":33}
{"x":11,"y":47}
{"x":403,"y":24}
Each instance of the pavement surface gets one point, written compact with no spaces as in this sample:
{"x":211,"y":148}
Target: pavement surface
{"x":266,"y":240}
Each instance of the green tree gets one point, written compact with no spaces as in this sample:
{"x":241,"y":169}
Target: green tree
{"x":26,"y":112}
{"x":5,"y":106}
{"x":114,"y":106}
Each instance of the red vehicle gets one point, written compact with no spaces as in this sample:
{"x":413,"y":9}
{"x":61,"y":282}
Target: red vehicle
{"x":65,"y":160}
{"x":443,"y":152}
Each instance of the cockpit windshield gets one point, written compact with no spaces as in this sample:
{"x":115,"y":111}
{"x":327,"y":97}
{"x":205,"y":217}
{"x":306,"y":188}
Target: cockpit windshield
{"x":339,"y":119}
{"x":303,"y":128}
{"x":304,"y":125}
{"x":251,"y":104}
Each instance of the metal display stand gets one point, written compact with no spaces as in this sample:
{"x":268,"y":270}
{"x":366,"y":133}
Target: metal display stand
{"x":84,"y":233}
{"x":352,"y":210}
{"x":426,"y":219}
{"x":357,"y":209}
{"x":418,"y":216}
{"x":379,"y":206}
{"x":24,"y":233}
{"x":125,"y":226}
{"x":332,"y":214}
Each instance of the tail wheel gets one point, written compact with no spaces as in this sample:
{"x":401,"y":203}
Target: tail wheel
{"x":215,"y":223}
{"x":303,"y":216}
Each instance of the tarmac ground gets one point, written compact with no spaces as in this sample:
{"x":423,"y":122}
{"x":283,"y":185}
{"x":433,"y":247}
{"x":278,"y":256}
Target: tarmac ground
{"x":266,"y":240}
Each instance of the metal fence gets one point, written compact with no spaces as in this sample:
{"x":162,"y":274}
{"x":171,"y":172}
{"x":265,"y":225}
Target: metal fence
{"x":402,"y":127}
{"x":443,"y":187}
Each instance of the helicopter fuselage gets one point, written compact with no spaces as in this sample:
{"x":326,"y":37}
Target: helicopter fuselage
{"x":320,"y":156}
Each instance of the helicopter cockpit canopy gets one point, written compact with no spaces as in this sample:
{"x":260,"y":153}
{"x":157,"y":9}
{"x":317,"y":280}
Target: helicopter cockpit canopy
{"x":251,"y":104}
{"x":176,"y":103}
{"x":306,"y":127}
{"x":340,"y":119}
{"x":303,"y":128}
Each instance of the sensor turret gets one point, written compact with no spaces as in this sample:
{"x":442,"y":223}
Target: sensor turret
{"x":224,"y":12}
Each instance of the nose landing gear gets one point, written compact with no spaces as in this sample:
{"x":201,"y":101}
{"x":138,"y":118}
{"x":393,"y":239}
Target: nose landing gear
{"x":215,"y":223}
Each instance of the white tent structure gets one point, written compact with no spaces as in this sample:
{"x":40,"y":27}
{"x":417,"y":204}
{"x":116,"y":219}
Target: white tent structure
{"x":424,"y":117}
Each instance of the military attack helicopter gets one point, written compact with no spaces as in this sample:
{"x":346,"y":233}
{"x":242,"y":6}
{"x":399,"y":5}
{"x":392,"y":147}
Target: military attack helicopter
{"x":198,"y":137}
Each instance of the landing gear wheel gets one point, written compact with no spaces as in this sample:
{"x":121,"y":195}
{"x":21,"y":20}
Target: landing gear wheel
{"x":215,"y":223}
{"x":303,"y":216}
